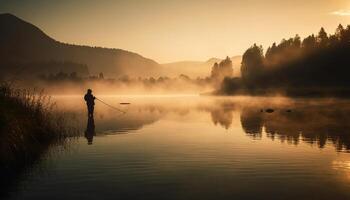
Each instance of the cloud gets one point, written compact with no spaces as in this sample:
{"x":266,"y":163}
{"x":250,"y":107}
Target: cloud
{"x":341,"y":13}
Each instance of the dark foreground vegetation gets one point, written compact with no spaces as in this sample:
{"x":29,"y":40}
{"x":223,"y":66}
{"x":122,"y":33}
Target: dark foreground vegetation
{"x":28,"y":127}
{"x":316,"y":65}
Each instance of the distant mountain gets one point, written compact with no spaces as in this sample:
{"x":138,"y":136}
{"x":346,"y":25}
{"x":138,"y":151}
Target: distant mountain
{"x":23,"y":44}
{"x":196,"y":69}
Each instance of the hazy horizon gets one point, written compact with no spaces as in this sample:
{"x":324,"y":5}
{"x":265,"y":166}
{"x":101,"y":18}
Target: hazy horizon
{"x":174,"y":99}
{"x":171,"y":31}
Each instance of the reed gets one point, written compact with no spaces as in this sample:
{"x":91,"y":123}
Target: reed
{"x":29,"y":125}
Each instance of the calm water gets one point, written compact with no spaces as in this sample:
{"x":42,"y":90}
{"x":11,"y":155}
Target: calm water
{"x":191,"y":147}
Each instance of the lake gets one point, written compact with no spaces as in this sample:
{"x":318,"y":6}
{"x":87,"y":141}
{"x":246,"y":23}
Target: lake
{"x":195,"y":147}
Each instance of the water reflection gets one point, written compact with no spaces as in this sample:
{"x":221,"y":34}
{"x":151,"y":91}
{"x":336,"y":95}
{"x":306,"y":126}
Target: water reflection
{"x":313,"y":124}
{"x":252,"y":122}
{"x":110,"y":123}
{"x":222,"y":114}
{"x":312,"y":121}
{"x":90,"y":130}
{"x":180,"y":141}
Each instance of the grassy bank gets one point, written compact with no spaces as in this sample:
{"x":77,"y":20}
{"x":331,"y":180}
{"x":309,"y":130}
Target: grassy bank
{"x":29,"y":125}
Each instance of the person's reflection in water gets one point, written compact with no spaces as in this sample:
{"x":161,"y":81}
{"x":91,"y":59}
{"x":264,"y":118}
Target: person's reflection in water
{"x":90,"y":130}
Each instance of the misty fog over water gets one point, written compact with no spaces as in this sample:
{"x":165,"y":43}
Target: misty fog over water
{"x":177,"y":147}
{"x":178,"y":108}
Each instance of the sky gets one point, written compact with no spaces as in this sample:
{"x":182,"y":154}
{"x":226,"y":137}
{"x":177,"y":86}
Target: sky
{"x":177,"y":30}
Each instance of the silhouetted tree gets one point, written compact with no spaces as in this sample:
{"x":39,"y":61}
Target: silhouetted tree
{"x":215,"y":70}
{"x":271,"y":52}
{"x":309,"y":43}
{"x":322,"y":38}
{"x":317,"y":65}
{"x":297,"y":42}
{"x":222,"y":70}
{"x":339,"y":32}
{"x":333,"y":40}
{"x":345,"y":39}
{"x":252,"y":63}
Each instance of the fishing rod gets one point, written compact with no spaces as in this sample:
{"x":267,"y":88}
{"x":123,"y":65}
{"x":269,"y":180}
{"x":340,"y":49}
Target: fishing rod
{"x":122,"y":111}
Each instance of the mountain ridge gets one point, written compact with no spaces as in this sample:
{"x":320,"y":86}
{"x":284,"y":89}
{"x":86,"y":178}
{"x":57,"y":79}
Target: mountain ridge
{"x":24,"y":45}
{"x":196,"y":69}
{"x":22,"y":42}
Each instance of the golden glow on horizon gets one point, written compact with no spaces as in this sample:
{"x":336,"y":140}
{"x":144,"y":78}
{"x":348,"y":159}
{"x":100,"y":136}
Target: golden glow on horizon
{"x":341,"y":12}
{"x":168,"y":31}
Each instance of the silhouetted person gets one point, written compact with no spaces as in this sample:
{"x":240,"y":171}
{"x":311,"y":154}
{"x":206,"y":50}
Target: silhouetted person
{"x":90,"y":130}
{"x":90,"y":102}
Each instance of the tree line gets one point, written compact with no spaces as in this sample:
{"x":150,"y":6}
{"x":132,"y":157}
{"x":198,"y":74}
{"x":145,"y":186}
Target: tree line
{"x":74,"y":77}
{"x":318,"y":64}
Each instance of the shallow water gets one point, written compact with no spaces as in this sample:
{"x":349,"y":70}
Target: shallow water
{"x":192,"y":147}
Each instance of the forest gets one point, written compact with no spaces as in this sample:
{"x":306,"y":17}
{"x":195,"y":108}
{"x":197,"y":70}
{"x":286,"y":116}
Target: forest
{"x":318,"y":65}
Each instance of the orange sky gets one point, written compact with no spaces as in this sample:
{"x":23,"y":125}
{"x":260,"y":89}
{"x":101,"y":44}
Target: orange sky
{"x":174,"y":30}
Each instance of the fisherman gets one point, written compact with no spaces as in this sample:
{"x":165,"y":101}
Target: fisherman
{"x":90,"y":102}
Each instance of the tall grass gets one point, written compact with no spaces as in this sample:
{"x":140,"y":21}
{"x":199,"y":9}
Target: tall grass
{"x":29,"y":125}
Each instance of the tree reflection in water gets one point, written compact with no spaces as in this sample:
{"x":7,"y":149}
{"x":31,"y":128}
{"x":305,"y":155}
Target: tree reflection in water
{"x":314,"y":124}
{"x":223,"y":114}
{"x":252,"y":122}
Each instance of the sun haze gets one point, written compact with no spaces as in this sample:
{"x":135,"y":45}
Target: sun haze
{"x":168,"y":31}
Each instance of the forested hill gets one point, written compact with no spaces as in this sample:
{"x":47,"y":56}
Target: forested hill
{"x":22,"y":43}
{"x":318,"y":64}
